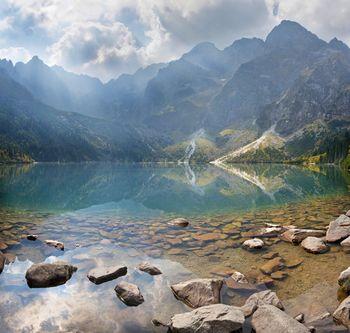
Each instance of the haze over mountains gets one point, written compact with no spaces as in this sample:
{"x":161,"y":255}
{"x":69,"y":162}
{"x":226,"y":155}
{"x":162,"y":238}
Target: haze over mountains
{"x":294,"y":87}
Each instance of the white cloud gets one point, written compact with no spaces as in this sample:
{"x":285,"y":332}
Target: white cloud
{"x":15,"y":54}
{"x":94,"y":37}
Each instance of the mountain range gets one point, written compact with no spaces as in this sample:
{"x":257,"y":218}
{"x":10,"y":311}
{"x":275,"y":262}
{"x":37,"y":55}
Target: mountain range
{"x":282,"y":99}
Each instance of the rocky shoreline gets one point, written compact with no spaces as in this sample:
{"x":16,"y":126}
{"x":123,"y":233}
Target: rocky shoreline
{"x":262,"y":310}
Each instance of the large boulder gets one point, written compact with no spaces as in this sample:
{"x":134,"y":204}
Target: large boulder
{"x":252,"y":244}
{"x":261,"y":298}
{"x":103,"y":274}
{"x":342,"y":314}
{"x":198,"y":292}
{"x":338,"y":229}
{"x":150,"y":269}
{"x":272,"y":265}
{"x":2,"y":262}
{"x":296,"y":236}
{"x":45,"y":275}
{"x":344,"y":280}
{"x":314,"y":245}
{"x":268,"y":319}
{"x":208,"y":319}
{"x":129,"y":293}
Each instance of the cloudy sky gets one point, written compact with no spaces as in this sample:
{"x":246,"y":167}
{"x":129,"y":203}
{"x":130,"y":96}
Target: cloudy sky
{"x":104,"y":38}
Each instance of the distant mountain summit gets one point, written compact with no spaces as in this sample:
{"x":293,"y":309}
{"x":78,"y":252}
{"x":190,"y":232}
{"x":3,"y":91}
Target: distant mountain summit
{"x":291,"y":88}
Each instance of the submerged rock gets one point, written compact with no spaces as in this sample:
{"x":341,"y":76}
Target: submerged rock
{"x":2,"y":262}
{"x":270,"y":255}
{"x":239,"y":277}
{"x":272,"y":265}
{"x":3,"y":246}
{"x":261,"y":298}
{"x":279,"y":275}
{"x":198,"y":292}
{"x":342,"y":314}
{"x":49,"y":275}
{"x":103,"y":274}
{"x":339,"y":229}
{"x":129,"y":293}
{"x":179,"y":222}
{"x":208,"y":319}
{"x":58,"y":245}
{"x":268,"y":319}
{"x":254,"y":243}
{"x":32,"y":237}
{"x":314,"y":245}
{"x":296,"y":236}
{"x":150,"y":269}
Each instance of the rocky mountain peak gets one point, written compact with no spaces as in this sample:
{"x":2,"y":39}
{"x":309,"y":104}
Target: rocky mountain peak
{"x":292,"y":35}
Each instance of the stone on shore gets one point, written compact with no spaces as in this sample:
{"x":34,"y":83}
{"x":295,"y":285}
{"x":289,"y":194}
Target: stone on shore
{"x":45,"y":275}
{"x":198,"y":292}
{"x":179,"y":222}
{"x":342,"y":314}
{"x":103,"y":274}
{"x":339,"y":229}
{"x":272,"y":265}
{"x":314,"y":245}
{"x":129,"y":293}
{"x":2,"y":262}
{"x":254,"y":243}
{"x":296,"y":236}
{"x":344,"y":280}
{"x":208,"y":319}
{"x":261,"y":298}
{"x":32,"y":237}
{"x":58,"y":245}
{"x":150,"y":269}
{"x":268,"y":319}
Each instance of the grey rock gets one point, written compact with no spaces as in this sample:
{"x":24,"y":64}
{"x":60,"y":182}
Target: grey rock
{"x":208,"y":319}
{"x":58,"y":245}
{"x":342,"y":314}
{"x":49,"y":275}
{"x":129,"y":293}
{"x":254,"y":243}
{"x":198,"y":292}
{"x":239,"y":277}
{"x":314,"y":245}
{"x":261,"y":298}
{"x":103,"y":274}
{"x":268,"y":319}
{"x":296,"y":236}
{"x":299,"y":317}
{"x":346,"y":242}
{"x":338,"y":229}
{"x":344,"y":279}
{"x":150,"y":269}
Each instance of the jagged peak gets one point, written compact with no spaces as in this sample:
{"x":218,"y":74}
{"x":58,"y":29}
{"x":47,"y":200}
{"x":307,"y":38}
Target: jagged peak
{"x":290,"y":34}
{"x":337,"y":44}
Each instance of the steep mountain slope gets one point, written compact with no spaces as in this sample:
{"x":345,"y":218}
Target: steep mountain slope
{"x":36,"y":131}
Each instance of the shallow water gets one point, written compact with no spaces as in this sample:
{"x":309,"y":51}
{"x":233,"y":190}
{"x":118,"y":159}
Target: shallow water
{"x":109,"y":214}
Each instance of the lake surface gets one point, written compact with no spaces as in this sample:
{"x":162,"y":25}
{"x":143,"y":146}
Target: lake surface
{"x":107,"y":214}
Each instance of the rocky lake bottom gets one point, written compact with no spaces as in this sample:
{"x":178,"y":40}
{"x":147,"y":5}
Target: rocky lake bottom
{"x":102,"y":226}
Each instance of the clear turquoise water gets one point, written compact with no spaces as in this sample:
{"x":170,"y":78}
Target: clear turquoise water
{"x":136,"y":190}
{"x":108,"y":214}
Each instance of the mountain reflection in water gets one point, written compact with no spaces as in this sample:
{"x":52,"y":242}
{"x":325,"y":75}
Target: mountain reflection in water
{"x":140,"y":190}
